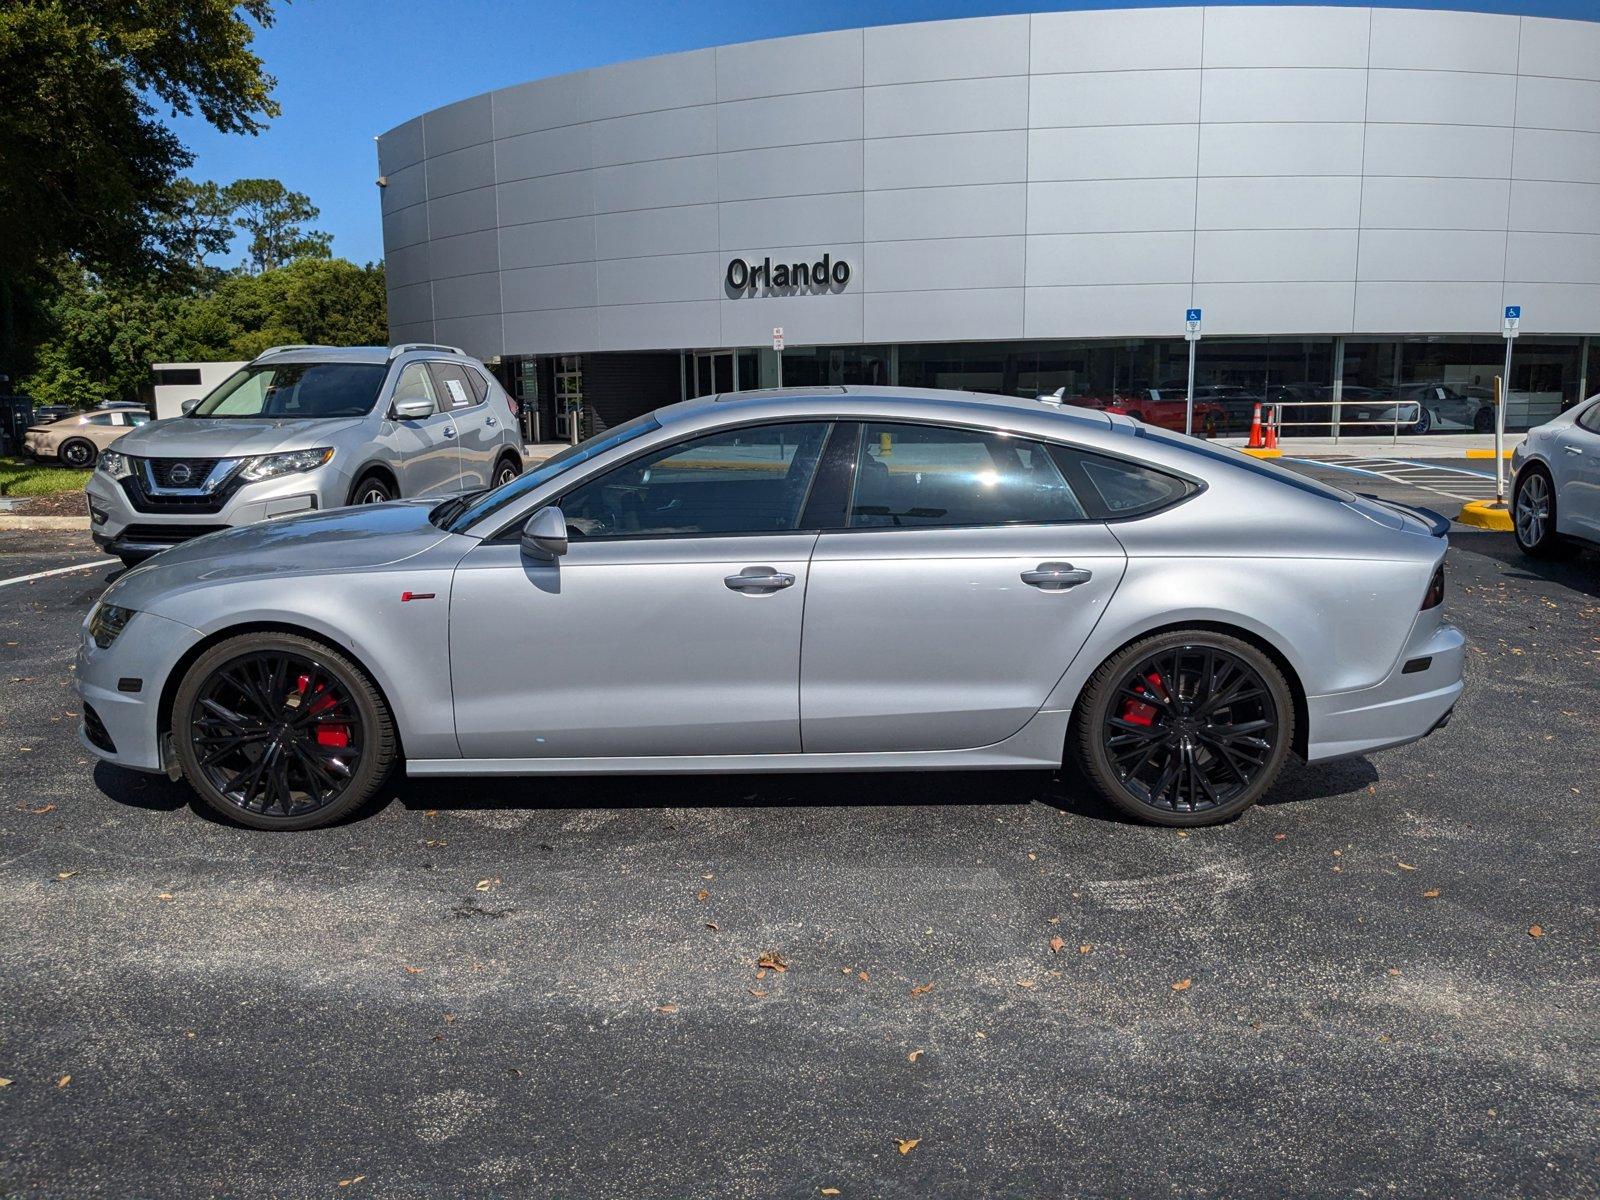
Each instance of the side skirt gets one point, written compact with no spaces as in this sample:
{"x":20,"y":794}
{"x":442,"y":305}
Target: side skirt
{"x":1038,"y":745}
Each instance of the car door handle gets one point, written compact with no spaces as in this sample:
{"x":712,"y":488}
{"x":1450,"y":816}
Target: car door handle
{"x":759,"y":579}
{"x":449,"y":431}
{"x":1056,"y":575}
{"x":490,"y":422}
{"x":1573,"y":449}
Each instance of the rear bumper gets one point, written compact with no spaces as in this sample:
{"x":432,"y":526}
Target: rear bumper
{"x":1407,"y":706}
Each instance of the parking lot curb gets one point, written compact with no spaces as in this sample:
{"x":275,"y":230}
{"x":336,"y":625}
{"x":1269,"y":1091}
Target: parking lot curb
{"x":1486,"y":514}
{"x":1488,"y":453}
{"x":11,"y":522}
{"x":1259,"y":452}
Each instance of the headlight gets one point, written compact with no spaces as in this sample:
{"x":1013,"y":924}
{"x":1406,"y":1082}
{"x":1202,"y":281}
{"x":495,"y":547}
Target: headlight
{"x":107,"y":622}
{"x":118,"y":466}
{"x":270,"y":466}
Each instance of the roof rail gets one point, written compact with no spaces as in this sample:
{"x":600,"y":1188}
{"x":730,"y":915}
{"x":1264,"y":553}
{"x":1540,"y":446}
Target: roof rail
{"x":406,"y":348}
{"x":281,"y":349}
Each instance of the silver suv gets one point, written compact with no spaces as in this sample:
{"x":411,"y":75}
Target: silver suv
{"x":302,"y":428}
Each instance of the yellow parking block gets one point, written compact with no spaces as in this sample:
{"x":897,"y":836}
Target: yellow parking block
{"x":1486,"y":514}
{"x":1488,"y":453}
{"x":1253,"y":452}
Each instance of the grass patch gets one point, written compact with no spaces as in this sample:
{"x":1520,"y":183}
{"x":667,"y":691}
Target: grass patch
{"x":19,"y":477}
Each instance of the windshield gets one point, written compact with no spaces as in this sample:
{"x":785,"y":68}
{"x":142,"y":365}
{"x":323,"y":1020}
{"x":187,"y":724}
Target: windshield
{"x":288,"y":391}
{"x":460,"y":514}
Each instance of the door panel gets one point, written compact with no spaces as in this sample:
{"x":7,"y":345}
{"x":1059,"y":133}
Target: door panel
{"x":1576,"y":463}
{"x":629,"y":647}
{"x":430,"y":456}
{"x":477,"y":427}
{"x":929,"y":639}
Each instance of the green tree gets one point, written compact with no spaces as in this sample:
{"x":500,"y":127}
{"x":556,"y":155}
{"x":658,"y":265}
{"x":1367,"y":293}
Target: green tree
{"x":86,"y":168}
{"x":275,"y":220}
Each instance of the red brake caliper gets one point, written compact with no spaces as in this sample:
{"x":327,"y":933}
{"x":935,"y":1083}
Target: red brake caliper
{"x":1137,"y":712}
{"x":329,"y":734}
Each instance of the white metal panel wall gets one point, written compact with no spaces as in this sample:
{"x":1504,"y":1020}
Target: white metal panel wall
{"x":1292,"y":170}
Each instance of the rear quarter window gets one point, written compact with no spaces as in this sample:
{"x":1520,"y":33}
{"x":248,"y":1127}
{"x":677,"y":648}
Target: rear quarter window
{"x":1114,"y":488}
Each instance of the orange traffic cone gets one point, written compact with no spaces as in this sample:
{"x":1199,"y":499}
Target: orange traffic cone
{"x":1272,"y":429}
{"x":1257,"y":442}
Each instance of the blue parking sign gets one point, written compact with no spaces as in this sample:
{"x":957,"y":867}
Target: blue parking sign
{"x":1513,"y":312}
{"x":1193,"y":314}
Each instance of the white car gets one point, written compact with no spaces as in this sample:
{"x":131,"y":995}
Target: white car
{"x":1555,"y":498}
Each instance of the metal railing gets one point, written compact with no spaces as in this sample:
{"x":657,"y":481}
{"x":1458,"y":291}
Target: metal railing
{"x":1336,"y":420}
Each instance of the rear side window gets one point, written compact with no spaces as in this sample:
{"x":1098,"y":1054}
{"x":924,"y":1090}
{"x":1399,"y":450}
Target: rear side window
{"x":1114,"y":487}
{"x":454,"y":388}
{"x":914,"y":476}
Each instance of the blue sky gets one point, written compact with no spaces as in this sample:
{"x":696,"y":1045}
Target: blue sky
{"x":348,"y":70}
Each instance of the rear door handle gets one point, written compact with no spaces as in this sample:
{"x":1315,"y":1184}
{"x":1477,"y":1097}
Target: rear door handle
{"x":759,"y":579}
{"x":1056,"y":576}
{"x":490,"y":422}
{"x":1573,"y":449}
{"x":449,"y":431}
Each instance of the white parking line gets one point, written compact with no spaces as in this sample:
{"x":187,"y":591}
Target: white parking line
{"x":99,"y":562}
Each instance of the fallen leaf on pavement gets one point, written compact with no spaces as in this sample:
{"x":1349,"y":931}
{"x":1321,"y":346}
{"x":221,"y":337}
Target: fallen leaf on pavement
{"x":666,"y":1008}
{"x":908,"y":1145}
{"x":1430,"y":893}
{"x":772,"y":962}
{"x":1182,"y":985}
{"x":483,"y":885}
{"x":829,"y":1192}
{"x":1405,"y":866}
{"x":1278,"y":837}
{"x":5,"y":1082}
{"x":864,"y":977}
{"x":1085,"y":948}
{"x":757,"y":992}
{"x":1393,"y":971}
{"x":1534,"y":931}
{"x":912,"y":1057}
{"x":65,"y":874}
{"x":702,"y":895}
{"x":1056,"y":943}
{"x":922,"y":989}
{"x":353,"y":1179}
{"x":1056,"y":920}
{"x":415,"y":970}
{"x":165,"y":896}
{"x":711,"y":925}
{"x":39,"y":812}
{"x":1027,"y":983}
{"x":63,"y":1081}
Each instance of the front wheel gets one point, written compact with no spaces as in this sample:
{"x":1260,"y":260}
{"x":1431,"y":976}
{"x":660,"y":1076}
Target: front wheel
{"x":1184,"y":728}
{"x":277,"y":731}
{"x":1424,"y":421}
{"x":78,"y":454}
{"x":372,"y":489}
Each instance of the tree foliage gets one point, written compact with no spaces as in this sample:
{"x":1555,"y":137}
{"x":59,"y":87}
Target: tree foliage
{"x":105,"y":334}
{"x":274,"y":220}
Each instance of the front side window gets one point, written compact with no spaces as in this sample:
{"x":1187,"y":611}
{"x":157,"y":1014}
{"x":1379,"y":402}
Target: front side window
{"x":295,"y":390}
{"x":739,"y":481}
{"x":138,"y":418}
{"x":922,"y":475}
{"x":415,"y":383}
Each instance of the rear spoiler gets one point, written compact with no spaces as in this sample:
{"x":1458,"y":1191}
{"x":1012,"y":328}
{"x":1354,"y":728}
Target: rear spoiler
{"x":1437,"y":524}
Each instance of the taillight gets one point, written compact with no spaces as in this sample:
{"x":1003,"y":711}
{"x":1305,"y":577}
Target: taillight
{"x":1435,"y":596}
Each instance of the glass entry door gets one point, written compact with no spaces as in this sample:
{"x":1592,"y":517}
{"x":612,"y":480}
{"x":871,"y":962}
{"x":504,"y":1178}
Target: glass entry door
{"x":713,"y":373}
{"x":568,"y":396}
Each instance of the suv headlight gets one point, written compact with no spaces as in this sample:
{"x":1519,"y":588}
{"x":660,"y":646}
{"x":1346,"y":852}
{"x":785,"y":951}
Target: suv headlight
{"x":107,"y":622}
{"x":118,"y":466}
{"x":270,"y":466}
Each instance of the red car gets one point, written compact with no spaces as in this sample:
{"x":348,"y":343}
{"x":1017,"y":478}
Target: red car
{"x":1163,"y":409}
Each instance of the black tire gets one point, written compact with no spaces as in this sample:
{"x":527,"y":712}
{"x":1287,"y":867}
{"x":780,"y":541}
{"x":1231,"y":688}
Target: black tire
{"x":1533,"y":514}
{"x":1193,"y":771}
{"x":129,"y":561}
{"x":1424,"y":422}
{"x":1483,"y":421}
{"x":77,"y":453}
{"x":241,"y":740}
{"x":372,"y":489}
{"x":505,"y":471}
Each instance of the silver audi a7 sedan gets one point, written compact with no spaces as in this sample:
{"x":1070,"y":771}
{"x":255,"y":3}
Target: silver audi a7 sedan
{"x":829,"y":579}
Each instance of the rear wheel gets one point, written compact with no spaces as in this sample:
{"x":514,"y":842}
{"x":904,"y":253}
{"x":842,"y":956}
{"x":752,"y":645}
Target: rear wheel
{"x":277,"y":731}
{"x":1184,"y":728}
{"x":77,"y":453}
{"x":1533,"y":514}
{"x":1483,"y":421}
{"x":505,"y":471}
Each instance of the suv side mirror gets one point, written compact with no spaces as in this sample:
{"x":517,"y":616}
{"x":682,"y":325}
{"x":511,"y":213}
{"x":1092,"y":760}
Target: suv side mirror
{"x":545,"y":535}
{"x":412,"y":408}
{"x":188,"y":406}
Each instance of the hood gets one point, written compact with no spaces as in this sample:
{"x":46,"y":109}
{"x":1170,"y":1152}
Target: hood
{"x":189,"y":437}
{"x":342,"y":539}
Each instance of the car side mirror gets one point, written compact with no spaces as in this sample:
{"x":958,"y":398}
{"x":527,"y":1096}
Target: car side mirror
{"x":412,"y":408}
{"x":545,"y":535}
{"x":188,"y":406}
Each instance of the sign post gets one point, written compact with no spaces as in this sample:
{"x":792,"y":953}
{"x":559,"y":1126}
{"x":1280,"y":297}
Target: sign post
{"x":1191,"y":325}
{"x":1513,"y":319}
{"x":777,"y":347}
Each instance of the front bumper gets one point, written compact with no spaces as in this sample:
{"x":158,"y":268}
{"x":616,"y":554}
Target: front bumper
{"x":116,"y":525}
{"x":122,"y":728}
{"x":1405,"y":707}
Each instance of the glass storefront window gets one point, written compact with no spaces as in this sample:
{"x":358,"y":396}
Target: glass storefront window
{"x":817,"y":366}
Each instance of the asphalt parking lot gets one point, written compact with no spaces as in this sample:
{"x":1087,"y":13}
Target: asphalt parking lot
{"x":1385,"y":982}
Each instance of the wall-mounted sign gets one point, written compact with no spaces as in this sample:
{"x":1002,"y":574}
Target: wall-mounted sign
{"x":824,"y":275}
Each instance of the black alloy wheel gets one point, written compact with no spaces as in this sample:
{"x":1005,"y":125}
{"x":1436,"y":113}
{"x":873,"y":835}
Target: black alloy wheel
{"x":77,"y":454}
{"x":277,"y":731}
{"x":1187,"y":728}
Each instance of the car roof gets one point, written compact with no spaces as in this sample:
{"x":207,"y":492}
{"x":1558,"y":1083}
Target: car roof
{"x":376,"y":355}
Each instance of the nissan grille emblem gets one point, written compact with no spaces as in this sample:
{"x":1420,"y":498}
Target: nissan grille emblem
{"x":180,"y":474}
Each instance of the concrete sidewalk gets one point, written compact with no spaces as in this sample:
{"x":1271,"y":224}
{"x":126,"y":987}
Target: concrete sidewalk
{"x":1436,"y":445}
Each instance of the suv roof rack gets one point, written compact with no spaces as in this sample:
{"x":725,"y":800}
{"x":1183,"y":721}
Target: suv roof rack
{"x":406,"y":348}
{"x":281,"y":349}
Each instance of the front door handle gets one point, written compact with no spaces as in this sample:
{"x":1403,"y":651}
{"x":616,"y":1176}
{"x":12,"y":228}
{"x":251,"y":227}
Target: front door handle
{"x":759,"y":579}
{"x":1056,"y":576}
{"x":1573,"y":449}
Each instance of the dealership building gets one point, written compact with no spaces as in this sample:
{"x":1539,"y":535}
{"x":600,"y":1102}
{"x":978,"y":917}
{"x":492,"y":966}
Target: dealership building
{"x":1351,"y":196}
